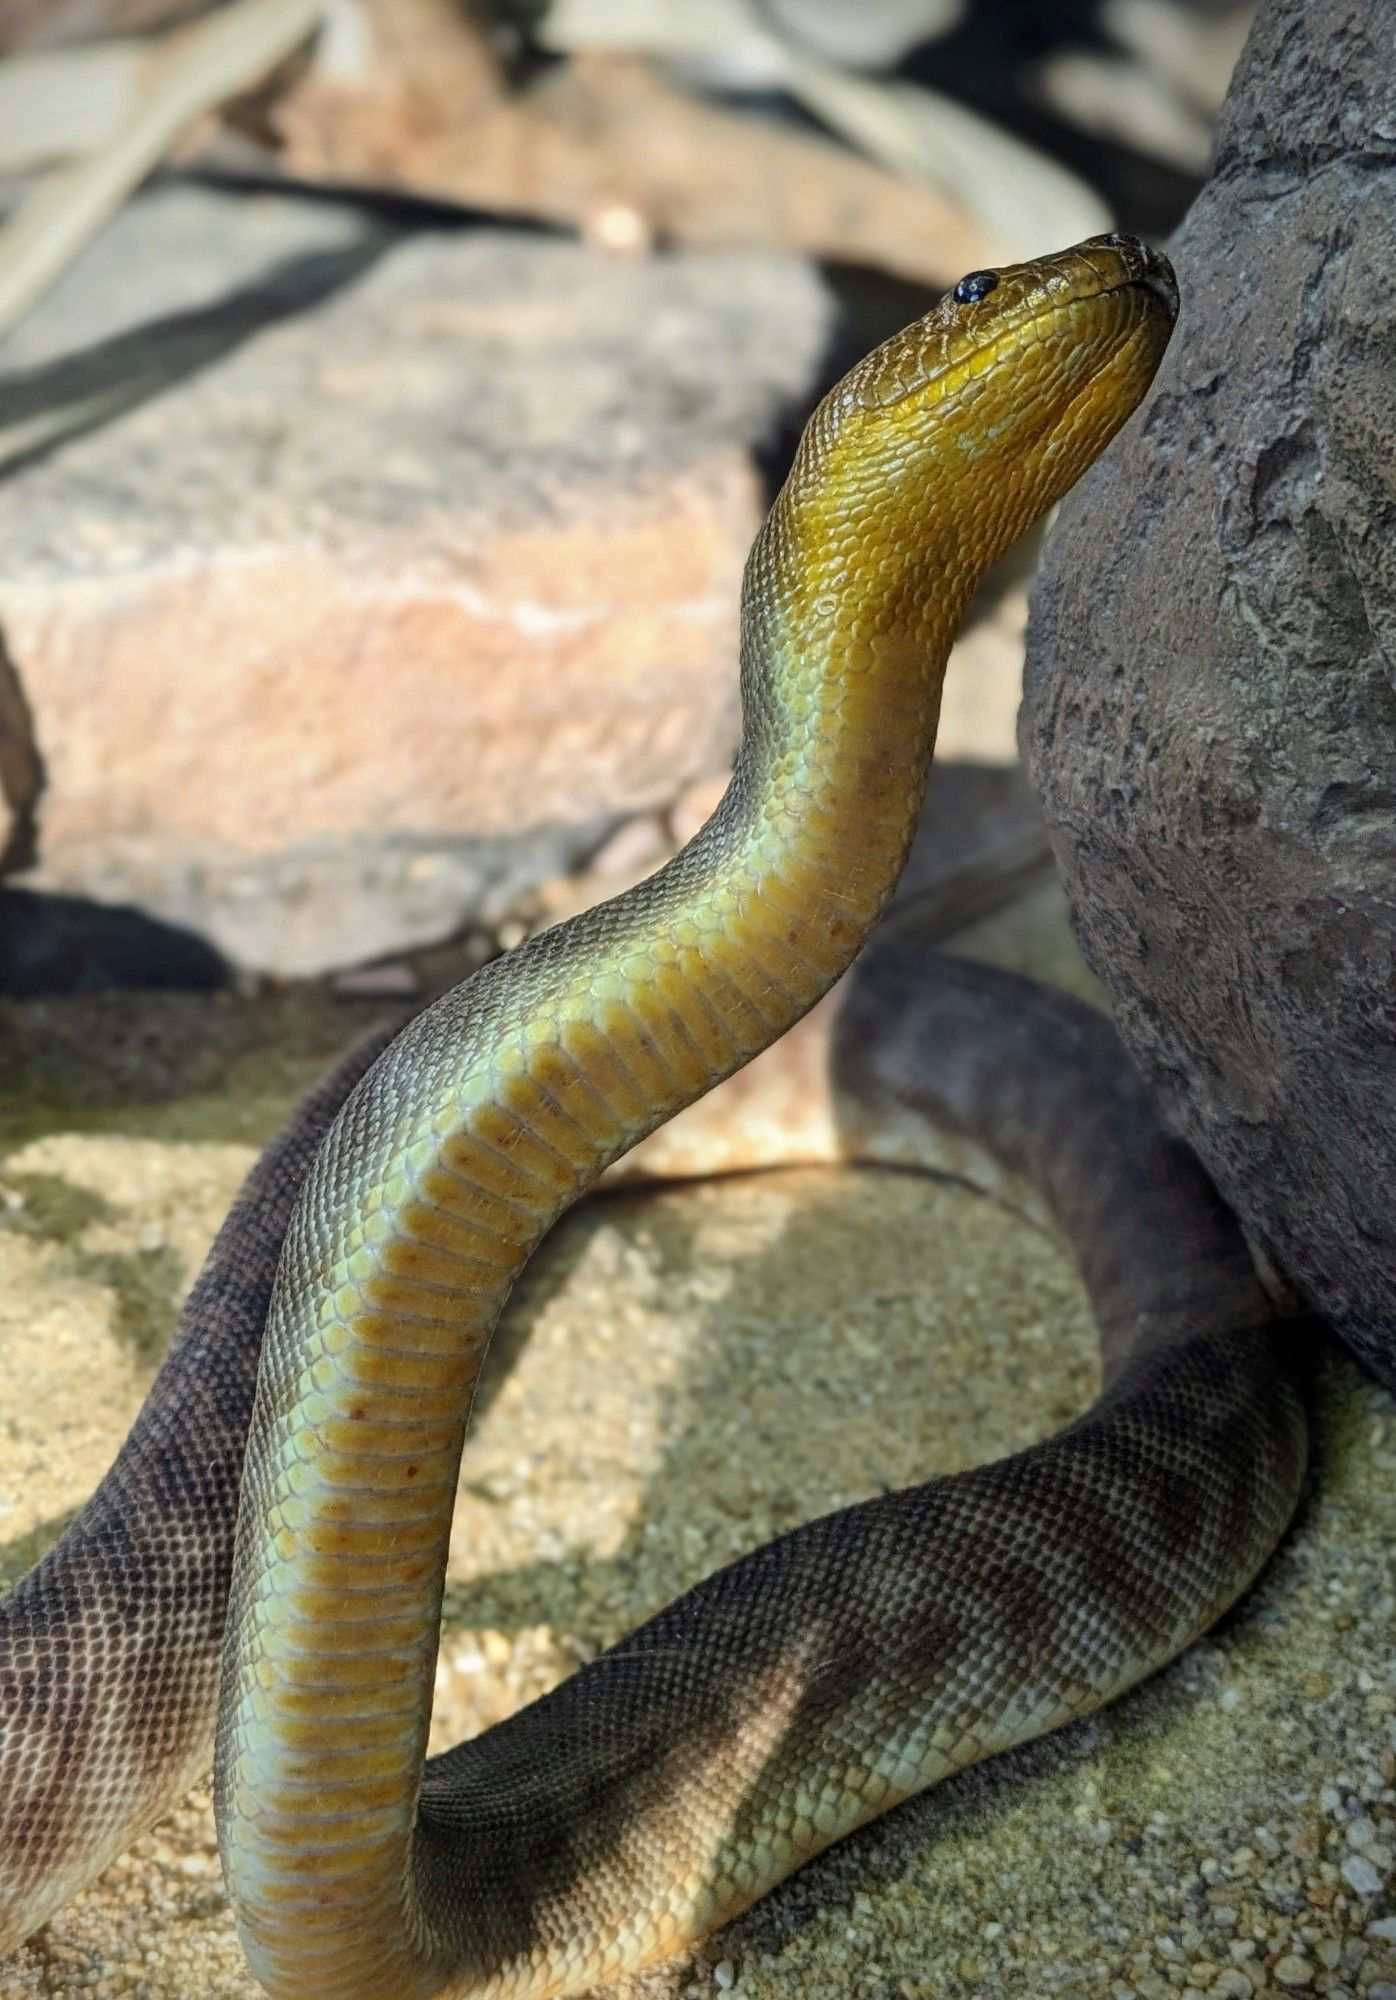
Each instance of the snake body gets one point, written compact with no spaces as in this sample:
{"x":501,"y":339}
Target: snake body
{"x":831,"y":1673}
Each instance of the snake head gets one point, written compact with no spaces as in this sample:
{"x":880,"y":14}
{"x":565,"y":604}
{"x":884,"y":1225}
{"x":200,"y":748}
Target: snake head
{"x":946,"y":442}
{"x":1034,"y":335}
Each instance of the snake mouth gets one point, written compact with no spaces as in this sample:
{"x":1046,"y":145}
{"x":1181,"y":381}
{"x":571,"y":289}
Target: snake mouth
{"x":1144,"y":269}
{"x":1156,"y":273}
{"x":1163,"y":285}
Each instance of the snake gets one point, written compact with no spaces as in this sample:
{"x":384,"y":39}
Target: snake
{"x":263,"y":1566}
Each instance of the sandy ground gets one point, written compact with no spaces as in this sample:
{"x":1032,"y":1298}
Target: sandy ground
{"x":681,"y":1376}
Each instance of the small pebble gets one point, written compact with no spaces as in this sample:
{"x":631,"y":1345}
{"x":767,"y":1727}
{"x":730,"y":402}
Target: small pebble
{"x":1359,"y":1874}
{"x":1292,"y":1970}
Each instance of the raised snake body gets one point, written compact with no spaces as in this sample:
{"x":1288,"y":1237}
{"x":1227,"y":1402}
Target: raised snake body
{"x":852,"y":1662}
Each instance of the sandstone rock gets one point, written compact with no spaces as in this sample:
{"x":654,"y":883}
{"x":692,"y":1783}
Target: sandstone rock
{"x":1211,"y":694}
{"x":358,"y":579}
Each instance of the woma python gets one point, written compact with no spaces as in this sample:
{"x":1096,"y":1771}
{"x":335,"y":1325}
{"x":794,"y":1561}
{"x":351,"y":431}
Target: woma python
{"x":829,"y":1674}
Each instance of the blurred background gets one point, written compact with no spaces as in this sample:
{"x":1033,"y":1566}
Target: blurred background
{"x":389,"y":392}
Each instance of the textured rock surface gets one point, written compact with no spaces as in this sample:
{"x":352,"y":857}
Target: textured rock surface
{"x":1211,"y":693}
{"x":357,"y":580}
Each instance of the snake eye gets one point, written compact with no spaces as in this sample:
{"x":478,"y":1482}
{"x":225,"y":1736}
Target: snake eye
{"x":975,"y":287}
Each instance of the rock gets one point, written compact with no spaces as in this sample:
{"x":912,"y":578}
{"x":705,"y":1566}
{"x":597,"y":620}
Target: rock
{"x":1292,"y":1970}
{"x":1211,"y":686}
{"x":359,"y":578}
{"x":1358,"y":1872}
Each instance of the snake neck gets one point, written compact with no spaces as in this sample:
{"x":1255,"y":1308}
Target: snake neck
{"x":802,"y":855}
{"x":841,"y":698}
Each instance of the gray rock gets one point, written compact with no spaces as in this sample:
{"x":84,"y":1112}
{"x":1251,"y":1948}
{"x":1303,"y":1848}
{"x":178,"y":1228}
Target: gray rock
{"x":357,"y":578}
{"x":1210,"y":714}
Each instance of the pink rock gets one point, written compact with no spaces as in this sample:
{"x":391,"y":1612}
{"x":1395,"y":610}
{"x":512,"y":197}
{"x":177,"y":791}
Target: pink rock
{"x":402,"y":569}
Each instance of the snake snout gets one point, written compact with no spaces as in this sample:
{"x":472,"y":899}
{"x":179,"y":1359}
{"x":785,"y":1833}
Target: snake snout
{"x":1159,"y":279}
{"x":1152,"y":269}
{"x":1141,"y":265}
